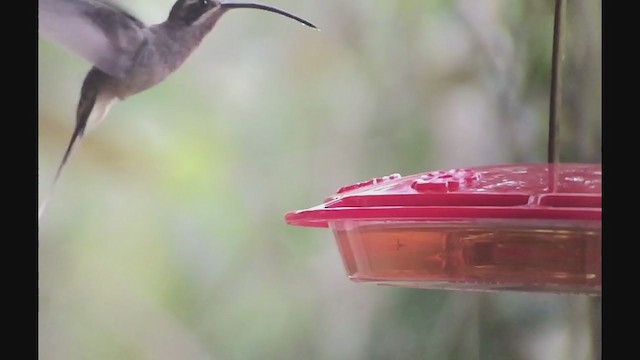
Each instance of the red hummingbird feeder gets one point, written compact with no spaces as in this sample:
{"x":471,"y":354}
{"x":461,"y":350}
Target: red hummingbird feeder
{"x":526,"y":227}
{"x":488,"y":228}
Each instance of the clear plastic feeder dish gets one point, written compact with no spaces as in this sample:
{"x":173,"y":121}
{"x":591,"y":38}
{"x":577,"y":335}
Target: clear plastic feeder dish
{"x":526,"y":227}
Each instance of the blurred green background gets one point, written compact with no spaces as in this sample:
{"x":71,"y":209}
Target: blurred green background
{"x":165,"y":237}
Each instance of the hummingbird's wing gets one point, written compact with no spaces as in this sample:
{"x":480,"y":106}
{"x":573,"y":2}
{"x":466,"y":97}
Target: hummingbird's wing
{"x":98,"y":30}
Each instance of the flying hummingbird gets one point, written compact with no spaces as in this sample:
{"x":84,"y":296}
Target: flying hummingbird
{"x":128,"y":57}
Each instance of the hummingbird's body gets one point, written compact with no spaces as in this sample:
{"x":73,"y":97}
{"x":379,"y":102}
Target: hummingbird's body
{"x":164,"y":48}
{"x":128,"y":56}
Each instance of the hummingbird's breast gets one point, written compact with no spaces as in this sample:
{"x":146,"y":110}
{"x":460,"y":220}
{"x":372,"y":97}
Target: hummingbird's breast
{"x":163,"y":52}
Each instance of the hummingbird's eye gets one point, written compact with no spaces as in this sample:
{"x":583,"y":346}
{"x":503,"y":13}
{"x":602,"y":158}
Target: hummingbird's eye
{"x":204,"y":2}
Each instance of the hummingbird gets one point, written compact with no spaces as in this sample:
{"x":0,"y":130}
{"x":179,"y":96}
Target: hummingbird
{"x":128,"y":57}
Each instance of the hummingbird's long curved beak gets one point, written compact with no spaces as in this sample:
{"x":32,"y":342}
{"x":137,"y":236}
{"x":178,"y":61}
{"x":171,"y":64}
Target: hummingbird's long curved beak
{"x":233,"y":5}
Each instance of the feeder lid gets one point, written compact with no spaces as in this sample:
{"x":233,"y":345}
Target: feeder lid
{"x":517,"y":191}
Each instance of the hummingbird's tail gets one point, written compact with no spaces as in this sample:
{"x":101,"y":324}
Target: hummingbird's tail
{"x":77,"y":135}
{"x":85,"y":108}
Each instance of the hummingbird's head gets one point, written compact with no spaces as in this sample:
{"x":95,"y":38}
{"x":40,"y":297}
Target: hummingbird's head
{"x":190,"y":12}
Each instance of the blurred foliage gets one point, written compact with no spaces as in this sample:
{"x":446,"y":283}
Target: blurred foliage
{"x":165,"y":238}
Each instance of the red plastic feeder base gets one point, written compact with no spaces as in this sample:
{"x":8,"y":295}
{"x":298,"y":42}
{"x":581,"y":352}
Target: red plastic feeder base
{"x":520,"y":227}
